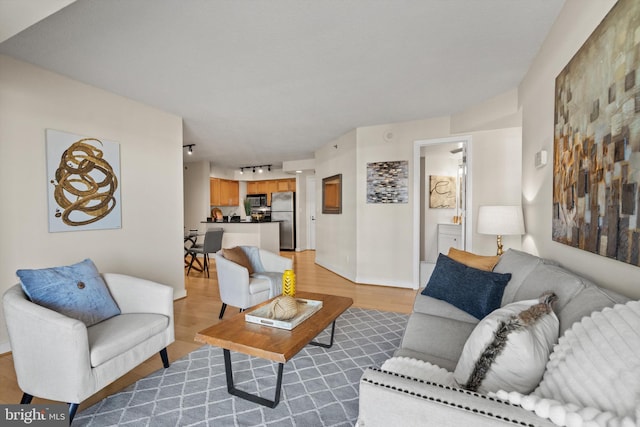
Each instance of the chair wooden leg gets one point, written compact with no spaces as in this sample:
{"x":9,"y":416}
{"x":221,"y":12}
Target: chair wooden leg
{"x":224,"y":307}
{"x":26,"y":399}
{"x":73,"y":408}
{"x":164,"y":357}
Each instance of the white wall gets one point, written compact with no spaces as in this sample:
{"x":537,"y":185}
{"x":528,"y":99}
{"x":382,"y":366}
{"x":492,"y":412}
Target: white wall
{"x":384,"y":233}
{"x":149,"y":244}
{"x":576,"y":22}
{"x":336,"y":233}
{"x":196,"y":195}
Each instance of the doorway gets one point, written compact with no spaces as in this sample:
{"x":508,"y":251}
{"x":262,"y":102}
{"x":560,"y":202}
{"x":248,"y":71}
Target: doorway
{"x":441,"y":160}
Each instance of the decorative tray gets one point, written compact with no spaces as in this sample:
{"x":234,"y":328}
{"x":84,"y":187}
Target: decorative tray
{"x":306,"y":308}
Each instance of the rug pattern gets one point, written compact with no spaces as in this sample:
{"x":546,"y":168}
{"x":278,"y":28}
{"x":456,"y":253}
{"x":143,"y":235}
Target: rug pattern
{"x":319,"y":386}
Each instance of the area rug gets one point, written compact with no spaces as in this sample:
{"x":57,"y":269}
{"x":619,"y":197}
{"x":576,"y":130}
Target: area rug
{"x":319,"y":386}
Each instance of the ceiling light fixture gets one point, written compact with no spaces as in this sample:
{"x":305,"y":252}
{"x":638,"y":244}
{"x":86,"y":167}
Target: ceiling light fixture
{"x":241,"y":171}
{"x":253,"y":168}
{"x":189,"y":148}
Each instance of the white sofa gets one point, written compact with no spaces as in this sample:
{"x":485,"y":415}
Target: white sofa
{"x":240,"y":289}
{"x":436,"y":333}
{"x":60,"y":358}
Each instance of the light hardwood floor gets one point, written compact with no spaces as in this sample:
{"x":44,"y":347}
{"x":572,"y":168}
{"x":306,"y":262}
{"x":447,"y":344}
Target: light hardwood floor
{"x":201,"y":307}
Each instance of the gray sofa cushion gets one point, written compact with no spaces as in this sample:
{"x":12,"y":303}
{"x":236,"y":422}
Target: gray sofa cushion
{"x":428,"y":305}
{"x":436,"y":336}
{"x":591,"y":299}
{"x":543,"y":278}
{"x":520,"y":265}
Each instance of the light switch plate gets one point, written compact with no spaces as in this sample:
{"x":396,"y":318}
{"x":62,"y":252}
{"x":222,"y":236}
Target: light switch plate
{"x":541,"y":158}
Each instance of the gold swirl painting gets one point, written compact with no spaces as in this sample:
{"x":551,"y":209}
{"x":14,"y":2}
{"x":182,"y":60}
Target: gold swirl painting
{"x":83,"y":181}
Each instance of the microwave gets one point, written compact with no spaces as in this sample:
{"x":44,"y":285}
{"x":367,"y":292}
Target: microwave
{"x":257,"y":200}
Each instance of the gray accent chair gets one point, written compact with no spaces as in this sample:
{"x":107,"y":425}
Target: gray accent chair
{"x":212,"y":244}
{"x":61,"y":359}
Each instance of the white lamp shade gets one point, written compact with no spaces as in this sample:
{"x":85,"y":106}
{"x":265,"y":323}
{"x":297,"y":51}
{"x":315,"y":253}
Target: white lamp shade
{"x":500,"y":220}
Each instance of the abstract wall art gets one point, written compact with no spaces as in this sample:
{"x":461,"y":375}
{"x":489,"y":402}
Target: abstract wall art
{"x":387,"y":182}
{"x":596,"y":162}
{"x":442,"y":192}
{"x":83,"y":176}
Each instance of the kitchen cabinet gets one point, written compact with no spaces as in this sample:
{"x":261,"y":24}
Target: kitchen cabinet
{"x":449,"y":236}
{"x":271,"y":186}
{"x":224,"y":192}
{"x":252,"y":187}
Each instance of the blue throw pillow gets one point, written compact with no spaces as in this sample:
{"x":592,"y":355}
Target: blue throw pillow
{"x":77,"y":291}
{"x":477,"y":292}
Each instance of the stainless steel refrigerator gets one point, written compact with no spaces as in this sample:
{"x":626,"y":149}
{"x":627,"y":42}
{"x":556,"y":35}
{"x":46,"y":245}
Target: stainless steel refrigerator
{"x":283,"y":209}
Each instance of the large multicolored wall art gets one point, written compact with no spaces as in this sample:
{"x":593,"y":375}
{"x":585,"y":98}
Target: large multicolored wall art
{"x":83,"y":176}
{"x":596,"y":164}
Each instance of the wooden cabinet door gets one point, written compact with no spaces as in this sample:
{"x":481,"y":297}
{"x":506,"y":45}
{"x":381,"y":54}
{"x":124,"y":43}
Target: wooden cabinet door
{"x":272,"y":187}
{"x":262,"y":187}
{"x":214,"y":191}
{"x":283,"y":185}
{"x":234,"y":193}
{"x":292,"y":184}
{"x":252,"y":187}
{"x":229,"y":192}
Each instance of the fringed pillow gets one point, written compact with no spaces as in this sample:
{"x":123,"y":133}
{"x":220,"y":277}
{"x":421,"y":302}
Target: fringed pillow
{"x":509,"y":349}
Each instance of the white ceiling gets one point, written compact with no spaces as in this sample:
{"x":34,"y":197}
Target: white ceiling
{"x":261,"y":82}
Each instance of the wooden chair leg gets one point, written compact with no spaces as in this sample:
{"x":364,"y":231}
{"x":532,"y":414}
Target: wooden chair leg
{"x":224,"y":307}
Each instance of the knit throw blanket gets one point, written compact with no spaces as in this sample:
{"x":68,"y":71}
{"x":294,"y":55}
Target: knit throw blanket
{"x":593,"y":375}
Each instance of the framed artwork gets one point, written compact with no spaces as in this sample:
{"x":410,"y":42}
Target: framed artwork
{"x":332,"y":194}
{"x":387,"y":182}
{"x":442,"y":192}
{"x":83,"y":176}
{"x":596,"y":159}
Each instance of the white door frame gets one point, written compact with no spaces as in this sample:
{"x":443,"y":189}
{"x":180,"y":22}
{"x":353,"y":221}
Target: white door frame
{"x":311,"y":212}
{"x":417,"y":208}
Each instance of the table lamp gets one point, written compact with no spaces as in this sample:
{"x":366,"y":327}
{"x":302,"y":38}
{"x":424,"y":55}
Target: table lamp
{"x":500,"y":221}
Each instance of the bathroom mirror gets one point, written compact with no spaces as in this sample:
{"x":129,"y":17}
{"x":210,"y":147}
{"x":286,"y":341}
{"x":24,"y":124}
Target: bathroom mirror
{"x":332,"y":194}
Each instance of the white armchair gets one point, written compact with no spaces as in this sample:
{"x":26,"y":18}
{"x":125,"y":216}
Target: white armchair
{"x":61,"y":359}
{"x":239,"y":289}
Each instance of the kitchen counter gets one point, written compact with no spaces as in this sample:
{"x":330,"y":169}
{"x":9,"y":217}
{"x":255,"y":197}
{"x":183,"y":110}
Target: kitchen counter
{"x":265,"y":235}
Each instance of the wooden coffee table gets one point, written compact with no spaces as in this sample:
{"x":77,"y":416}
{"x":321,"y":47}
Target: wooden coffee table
{"x":275,"y":344}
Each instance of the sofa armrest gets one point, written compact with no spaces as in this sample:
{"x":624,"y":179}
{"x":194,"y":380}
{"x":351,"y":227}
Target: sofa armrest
{"x":391,"y":399}
{"x":274,"y":262}
{"x":46,"y":344}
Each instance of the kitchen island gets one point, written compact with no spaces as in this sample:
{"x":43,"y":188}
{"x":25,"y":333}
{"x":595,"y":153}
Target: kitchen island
{"x":265,"y":235}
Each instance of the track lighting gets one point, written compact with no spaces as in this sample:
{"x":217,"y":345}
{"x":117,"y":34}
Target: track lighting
{"x":189,"y":148}
{"x":260,"y":168}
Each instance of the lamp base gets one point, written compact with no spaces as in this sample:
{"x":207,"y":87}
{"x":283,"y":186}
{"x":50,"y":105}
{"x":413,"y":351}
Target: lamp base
{"x":499,"y":241}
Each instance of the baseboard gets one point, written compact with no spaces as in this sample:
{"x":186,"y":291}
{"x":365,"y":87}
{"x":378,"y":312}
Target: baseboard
{"x":376,"y":282}
{"x":5,"y":347}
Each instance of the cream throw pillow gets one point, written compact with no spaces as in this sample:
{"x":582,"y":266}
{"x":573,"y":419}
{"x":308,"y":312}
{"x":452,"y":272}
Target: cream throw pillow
{"x":597,"y":364}
{"x":509,"y":349}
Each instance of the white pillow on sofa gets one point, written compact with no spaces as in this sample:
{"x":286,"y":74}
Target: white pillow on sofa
{"x":509,"y":348}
